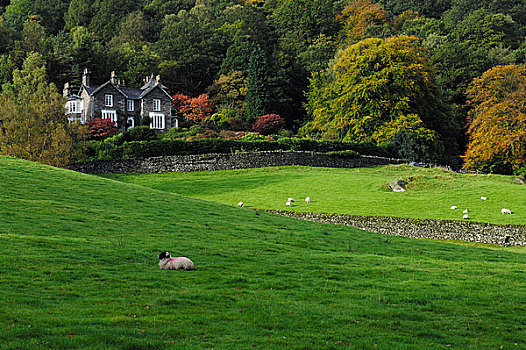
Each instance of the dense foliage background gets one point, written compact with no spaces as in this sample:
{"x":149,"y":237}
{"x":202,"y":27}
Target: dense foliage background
{"x":312,"y":62}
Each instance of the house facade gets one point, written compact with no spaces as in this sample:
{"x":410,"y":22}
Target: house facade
{"x":125,"y":106}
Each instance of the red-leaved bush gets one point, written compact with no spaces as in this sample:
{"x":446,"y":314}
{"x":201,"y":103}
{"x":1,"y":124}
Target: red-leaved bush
{"x":195,"y":109}
{"x":269,"y":124}
{"x":101,"y":128}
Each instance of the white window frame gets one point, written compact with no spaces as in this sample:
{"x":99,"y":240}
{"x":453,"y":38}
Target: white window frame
{"x":130,"y":105}
{"x":157,"y":121}
{"x":131,"y":122}
{"x":110,"y":114}
{"x":108,"y":100}
{"x":156,"y":105}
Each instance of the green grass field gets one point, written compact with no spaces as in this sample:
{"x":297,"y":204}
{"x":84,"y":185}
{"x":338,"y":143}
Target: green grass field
{"x":364,"y":191}
{"x":78,"y":270}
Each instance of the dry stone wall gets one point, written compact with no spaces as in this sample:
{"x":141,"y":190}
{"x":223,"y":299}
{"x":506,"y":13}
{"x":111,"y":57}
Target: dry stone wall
{"x":225,"y":161}
{"x":414,"y":228}
{"x":423,"y":228}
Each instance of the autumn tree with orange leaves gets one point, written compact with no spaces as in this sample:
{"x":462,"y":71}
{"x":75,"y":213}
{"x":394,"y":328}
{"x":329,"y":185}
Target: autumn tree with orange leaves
{"x":357,"y":16}
{"x":497,"y":120}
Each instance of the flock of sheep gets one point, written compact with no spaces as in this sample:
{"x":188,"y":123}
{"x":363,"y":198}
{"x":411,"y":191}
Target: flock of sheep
{"x":466,"y":211}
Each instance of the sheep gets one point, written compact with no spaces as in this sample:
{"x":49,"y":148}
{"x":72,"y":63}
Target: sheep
{"x":180,"y":263}
{"x":466,"y":211}
{"x":484,"y":198}
{"x":465,"y":217}
{"x":307,"y":200}
{"x":505,"y":211}
{"x":291,"y":200}
{"x":240,"y":204}
{"x":454,"y":207}
{"x":288,"y":204}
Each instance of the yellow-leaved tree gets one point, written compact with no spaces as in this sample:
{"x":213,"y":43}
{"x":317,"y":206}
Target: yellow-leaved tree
{"x":497,"y":120}
{"x":378,"y":89}
{"x":33,"y":125}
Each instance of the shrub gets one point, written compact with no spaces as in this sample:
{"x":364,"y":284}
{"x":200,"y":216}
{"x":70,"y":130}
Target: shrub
{"x":140,"y":133}
{"x":344,"y":154}
{"x":101,"y":128}
{"x":269,"y":124}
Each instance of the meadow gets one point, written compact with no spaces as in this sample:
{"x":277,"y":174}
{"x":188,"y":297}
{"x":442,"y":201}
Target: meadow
{"x":78,"y":270}
{"x":363,"y":191}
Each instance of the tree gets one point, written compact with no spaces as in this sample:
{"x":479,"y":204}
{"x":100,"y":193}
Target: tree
{"x":195,"y":109}
{"x":497,"y":120}
{"x":357,"y":16}
{"x":376,"y":89}
{"x":33,"y":123}
{"x":257,"y":93}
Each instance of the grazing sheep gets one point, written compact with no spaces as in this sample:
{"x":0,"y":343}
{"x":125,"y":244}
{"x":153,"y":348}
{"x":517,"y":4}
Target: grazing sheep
{"x":465,"y":217}
{"x":454,"y":207}
{"x":240,"y":204}
{"x":466,"y":211}
{"x":484,"y":198}
{"x":288,"y":204}
{"x":180,"y":263}
{"x":307,"y":200}
{"x":505,"y":211}
{"x":291,"y":200}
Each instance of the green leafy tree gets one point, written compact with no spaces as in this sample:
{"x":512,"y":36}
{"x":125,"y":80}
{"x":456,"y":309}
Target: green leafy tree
{"x":377,"y":89}
{"x":79,"y":13}
{"x":257,"y":92}
{"x":33,"y":124}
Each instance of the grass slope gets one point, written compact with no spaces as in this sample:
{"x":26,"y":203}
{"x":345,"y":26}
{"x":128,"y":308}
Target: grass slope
{"x":363,"y":191}
{"x":78,"y":270}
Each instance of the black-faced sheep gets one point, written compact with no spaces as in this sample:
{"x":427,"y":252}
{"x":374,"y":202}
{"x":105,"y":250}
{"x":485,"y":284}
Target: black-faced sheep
{"x":180,"y":263}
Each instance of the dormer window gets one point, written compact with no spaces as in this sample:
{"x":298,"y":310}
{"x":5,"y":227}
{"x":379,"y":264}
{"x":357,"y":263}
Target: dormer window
{"x":130,"y":106}
{"x":108,"y":100}
{"x":156,"y":104}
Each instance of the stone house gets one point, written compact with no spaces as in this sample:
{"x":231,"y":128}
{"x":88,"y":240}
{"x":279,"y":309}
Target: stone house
{"x":125,"y":106}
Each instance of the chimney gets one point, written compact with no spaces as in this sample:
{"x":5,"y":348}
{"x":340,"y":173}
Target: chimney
{"x":67,"y":90}
{"x":113,"y":78}
{"x":85,"y":77}
{"x":157,"y":79}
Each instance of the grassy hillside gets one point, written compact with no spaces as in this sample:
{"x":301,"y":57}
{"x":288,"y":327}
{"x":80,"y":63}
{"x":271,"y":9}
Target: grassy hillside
{"x":364,"y":191}
{"x":78,"y":269}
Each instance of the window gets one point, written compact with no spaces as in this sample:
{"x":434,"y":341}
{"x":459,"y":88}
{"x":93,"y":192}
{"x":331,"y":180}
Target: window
{"x":156,"y":104}
{"x":109,"y":114}
{"x":108,"y":100}
{"x":131,"y":105}
{"x":157,"y":120}
{"x":72,"y":107}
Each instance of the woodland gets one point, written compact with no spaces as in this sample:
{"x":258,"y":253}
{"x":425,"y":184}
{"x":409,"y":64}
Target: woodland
{"x":443,"y":80}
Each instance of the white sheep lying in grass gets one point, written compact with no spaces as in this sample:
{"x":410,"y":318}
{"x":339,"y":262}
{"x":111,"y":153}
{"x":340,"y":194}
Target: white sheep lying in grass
{"x":180,"y":263}
{"x":454,"y":207}
{"x":484,"y":198}
{"x":466,"y":211}
{"x":465,"y":217}
{"x":291,"y":200}
{"x":240,"y":204}
{"x":288,"y":204}
{"x":505,"y":211}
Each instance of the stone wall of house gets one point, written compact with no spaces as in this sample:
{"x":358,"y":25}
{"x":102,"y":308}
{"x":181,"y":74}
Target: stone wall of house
{"x":423,"y":228}
{"x":147,"y":105}
{"x":226,"y":161}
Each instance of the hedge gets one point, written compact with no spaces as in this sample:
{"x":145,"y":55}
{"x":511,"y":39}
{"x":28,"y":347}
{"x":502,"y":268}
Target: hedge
{"x":158,"y":148}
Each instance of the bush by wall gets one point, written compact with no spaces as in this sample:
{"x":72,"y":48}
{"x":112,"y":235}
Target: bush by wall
{"x":99,"y":150}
